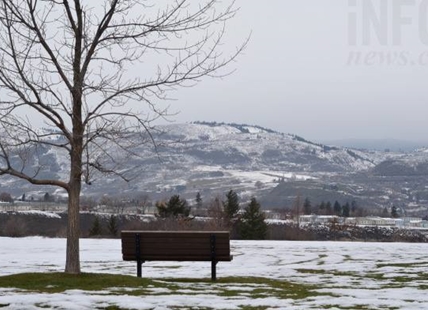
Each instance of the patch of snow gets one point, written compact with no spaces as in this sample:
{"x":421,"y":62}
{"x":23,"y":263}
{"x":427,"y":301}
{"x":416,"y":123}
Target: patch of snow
{"x":35,"y":212}
{"x":340,"y":269}
{"x":40,"y":213}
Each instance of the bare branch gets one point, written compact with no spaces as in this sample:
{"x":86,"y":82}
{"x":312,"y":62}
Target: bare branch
{"x":93,"y":74}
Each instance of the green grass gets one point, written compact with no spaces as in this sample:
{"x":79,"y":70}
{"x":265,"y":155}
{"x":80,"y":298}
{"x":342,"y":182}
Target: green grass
{"x":252,"y":287}
{"x":42,"y":306}
{"x":166,"y":267}
{"x":60,"y":282}
{"x":385,"y":280}
{"x":244,"y":288}
{"x":341,"y":307}
{"x":355,"y":307}
{"x":328,"y":272}
{"x":111,"y":308}
{"x":262,"y":287}
{"x":401,"y":265}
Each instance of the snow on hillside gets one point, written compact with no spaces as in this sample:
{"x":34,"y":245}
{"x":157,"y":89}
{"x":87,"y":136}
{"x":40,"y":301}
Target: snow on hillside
{"x":258,"y":146}
{"x":190,"y":132}
{"x":343,"y":276}
{"x":201,"y":157}
{"x":213,"y":158}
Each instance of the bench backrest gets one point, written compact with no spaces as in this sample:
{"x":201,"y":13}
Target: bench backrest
{"x":176,"y":245}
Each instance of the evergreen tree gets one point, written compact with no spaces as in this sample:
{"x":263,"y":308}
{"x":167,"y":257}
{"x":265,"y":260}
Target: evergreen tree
{"x":328,"y":209}
{"x":198,"y":200}
{"x":175,"y":207}
{"x":394,"y":212}
{"x":321,"y":208}
{"x":231,"y":205}
{"x":253,"y":225}
{"x":354,"y":207}
{"x":307,"y":208}
{"x":112,"y":225}
{"x":337,"y":208}
{"x":96,"y":227}
{"x":346,"y":210}
{"x":385,"y":212}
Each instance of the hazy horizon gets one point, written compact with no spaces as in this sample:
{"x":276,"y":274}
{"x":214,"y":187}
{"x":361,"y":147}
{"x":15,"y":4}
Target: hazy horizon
{"x":380,"y":144}
{"x":324,"y":70}
{"x":320,"y":69}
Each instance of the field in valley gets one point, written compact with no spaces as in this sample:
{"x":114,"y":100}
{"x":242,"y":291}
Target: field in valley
{"x":262,"y":275}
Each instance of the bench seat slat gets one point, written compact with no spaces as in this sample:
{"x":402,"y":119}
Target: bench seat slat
{"x":177,"y":242}
{"x":174,"y":248}
{"x":175,"y":245}
{"x":177,"y":253}
{"x":181,"y":258}
{"x":175,"y":239}
{"x":173,"y":234}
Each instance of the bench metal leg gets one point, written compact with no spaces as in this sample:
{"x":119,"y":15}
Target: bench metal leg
{"x":139,"y":263}
{"x":138,"y":252}
{"x":213,"y":257}
{"x":213,"y":270}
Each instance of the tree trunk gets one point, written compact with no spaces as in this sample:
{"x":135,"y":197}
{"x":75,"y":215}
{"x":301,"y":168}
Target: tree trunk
{"x":72,"y":264}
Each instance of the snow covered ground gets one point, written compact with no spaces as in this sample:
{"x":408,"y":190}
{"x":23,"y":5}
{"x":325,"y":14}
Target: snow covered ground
{"x":352,"y":275}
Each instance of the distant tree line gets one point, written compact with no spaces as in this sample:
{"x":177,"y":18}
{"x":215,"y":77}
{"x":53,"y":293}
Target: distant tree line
{"x":227,"y":214}
{"x":325,"y":148}
{"x":247,"y":223}
{"x":329,"y":208}
{"x":46,"y":197}
{"x":347,"y":209}
{"x":111,"y":229}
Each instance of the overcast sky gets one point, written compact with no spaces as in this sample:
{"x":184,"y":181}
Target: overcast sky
{"x":323,"y":69}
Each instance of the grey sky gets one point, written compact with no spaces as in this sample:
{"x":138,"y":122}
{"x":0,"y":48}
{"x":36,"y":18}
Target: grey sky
{"x":302,"y":72}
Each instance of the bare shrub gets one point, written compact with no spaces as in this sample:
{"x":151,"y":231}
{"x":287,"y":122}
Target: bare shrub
{"x":15,"y":227}
{"x":276,"y":232}
{"x":62,"y":232}
{"x":217,"y":217}
{"x":135,"y":224}
{"x":172,"y":224}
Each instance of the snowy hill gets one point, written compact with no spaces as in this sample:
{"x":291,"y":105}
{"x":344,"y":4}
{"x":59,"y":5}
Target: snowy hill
{"x":212,"y":158}
{"x":256,"y":148}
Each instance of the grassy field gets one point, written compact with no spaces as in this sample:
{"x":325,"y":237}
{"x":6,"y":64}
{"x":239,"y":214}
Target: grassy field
{"x":244,"y":288}
{"x":263,"y":275}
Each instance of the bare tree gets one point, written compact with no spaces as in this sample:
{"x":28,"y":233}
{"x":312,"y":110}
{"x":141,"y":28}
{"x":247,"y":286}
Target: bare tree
{"x":6,"y":197}
{"x":116,"y":204}
{"x":297,"y":209}
{"x":92,"y":74}
{"x":88,"y":203}
{"x":217,"y":214}
{"x":143,"y":203}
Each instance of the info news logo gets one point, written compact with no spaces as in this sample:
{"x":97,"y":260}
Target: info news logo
{"x":390,"y":25}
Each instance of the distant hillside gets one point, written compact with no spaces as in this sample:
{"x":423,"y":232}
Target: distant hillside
{"x":212,"y":158}
{"x":188,"y":155}
{"x":393,"y":145}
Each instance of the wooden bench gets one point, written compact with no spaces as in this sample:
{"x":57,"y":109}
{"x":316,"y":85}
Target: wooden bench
{"x":142,"y":246}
